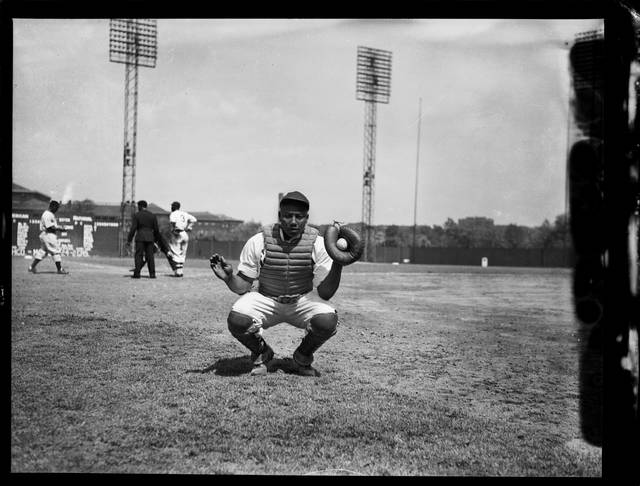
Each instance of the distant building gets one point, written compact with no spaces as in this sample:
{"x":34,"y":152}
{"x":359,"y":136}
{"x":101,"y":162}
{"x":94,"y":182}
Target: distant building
{"x":26,"y":197}
{"x":216,"y":226}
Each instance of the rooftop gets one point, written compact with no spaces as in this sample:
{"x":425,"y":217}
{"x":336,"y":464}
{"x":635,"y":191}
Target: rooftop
{"x":37,"y":202}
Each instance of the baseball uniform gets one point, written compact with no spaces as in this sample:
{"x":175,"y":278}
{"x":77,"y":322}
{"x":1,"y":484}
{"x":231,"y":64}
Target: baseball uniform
{"x":181,"y":223}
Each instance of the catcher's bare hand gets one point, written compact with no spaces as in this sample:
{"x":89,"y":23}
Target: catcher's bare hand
{"x":220,"y":267}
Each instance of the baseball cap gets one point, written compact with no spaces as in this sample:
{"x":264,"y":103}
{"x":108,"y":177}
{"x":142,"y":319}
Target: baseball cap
{"x":295,"y":196}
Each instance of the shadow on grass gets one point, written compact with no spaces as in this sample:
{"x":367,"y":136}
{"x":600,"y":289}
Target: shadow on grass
{"x":241,"y":365}
{"x":131,"y":270}
{"x":147,"y":276}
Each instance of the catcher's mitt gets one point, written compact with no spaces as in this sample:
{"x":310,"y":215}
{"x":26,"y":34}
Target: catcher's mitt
{"x":355,"y":245}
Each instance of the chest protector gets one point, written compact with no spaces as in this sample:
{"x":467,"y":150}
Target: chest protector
{"x":287,"y":268}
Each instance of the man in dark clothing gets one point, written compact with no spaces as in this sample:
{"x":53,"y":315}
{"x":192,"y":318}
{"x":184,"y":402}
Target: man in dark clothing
{"x":145,"y":227}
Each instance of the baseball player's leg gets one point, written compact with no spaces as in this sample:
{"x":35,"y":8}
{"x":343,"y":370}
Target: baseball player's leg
{"x":57,"y":259}
{"x":138,"y":258}
{"x":38,"y":253}
{"x":179,"y":268}
{"x":53,"y":247}
{"x":321,"y":323}
{"x":163,"y":245}
{"x":169,"y":255}
{"x":50,"y":246}
{"x":150,"y":258}
{"x":245,"y":323}
{"x":175,"y":259}
{"x":180,"y":253}
{"x":183,"y":248}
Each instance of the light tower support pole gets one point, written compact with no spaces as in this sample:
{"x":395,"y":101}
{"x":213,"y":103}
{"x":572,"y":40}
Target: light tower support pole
{"x":415,"y":195}
{"x":128,"y":205}
{"x":373,"y":85}
{"x":132,"y":42}
{"x":368,"y":179}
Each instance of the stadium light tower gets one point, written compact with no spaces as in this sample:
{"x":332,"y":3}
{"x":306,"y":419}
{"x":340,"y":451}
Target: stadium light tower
{"x":132,"y":42}
{"x":373,"y":85}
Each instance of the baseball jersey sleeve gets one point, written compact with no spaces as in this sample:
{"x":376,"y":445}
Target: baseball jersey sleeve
{"x":322,"y":261}
{"x":191,"y":220}
{"x":251,"y":256}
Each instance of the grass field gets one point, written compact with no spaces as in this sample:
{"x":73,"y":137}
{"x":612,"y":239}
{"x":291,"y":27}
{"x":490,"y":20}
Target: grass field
{"x":434,"y":371}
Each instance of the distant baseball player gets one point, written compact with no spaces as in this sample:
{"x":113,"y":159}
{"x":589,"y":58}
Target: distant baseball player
{"x":181,"y":224}
{"x":49,"y":244}
{"x":288,"y":259}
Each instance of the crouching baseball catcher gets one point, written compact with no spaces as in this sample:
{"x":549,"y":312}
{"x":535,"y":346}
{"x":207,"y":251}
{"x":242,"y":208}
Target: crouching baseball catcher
{"x":296,"y":276}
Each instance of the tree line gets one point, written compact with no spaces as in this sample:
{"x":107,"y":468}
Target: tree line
{"x":471,"y":232}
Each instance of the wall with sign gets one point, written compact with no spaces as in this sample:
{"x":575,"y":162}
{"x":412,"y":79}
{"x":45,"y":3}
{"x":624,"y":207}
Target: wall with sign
{"x":82,"y":235}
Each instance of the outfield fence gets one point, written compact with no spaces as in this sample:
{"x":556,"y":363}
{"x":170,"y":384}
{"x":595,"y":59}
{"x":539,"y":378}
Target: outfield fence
{"x":498,"y":257}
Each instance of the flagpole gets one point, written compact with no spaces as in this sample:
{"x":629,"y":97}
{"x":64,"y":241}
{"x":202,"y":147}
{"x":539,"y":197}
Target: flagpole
{"x":415,"y":204}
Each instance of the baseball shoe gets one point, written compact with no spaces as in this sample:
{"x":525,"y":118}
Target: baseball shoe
{"x":135,"y":276}
{"x":307,"y":371}
{"x":303,"y":365}
{"x":30,"y":269}
{"x":62,"y":271}
{"x":260,"y":362}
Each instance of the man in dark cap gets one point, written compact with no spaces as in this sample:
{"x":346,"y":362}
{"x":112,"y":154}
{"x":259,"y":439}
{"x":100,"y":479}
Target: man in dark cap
{"x":289,"y":261}
{"x":144,"y":226}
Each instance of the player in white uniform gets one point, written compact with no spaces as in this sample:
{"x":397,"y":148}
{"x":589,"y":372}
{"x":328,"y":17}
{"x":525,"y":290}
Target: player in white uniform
{"x":49,"y":244}
{"x":181,"y":224}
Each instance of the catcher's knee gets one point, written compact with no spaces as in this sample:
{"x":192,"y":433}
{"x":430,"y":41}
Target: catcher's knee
{"x":324,"y":325}
{"x":239,"y":323}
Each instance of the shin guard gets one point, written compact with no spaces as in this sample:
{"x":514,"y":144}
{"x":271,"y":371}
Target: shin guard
{"x":239,"y":325}
{"x":321,"y":328}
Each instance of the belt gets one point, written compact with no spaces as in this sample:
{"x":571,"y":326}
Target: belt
{"x":285,"y":299}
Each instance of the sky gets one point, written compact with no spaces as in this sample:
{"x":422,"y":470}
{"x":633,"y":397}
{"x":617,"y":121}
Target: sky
{"x":237,"y":111}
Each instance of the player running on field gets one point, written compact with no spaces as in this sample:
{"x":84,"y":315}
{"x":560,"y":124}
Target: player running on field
{"x":49,"y":244}
{"x":288,"y":259}
{"x":181,"y":224}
